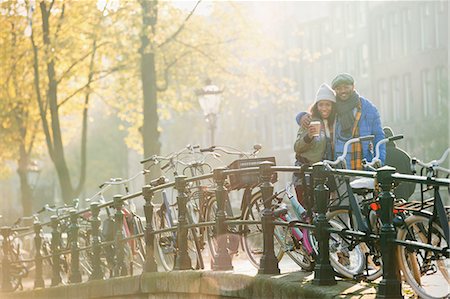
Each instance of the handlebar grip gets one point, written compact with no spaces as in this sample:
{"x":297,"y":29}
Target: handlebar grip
{"x":208,"y":149}
{"x":147,"y":159}
{"x":165,"y":166}
{"x":367,"y":138}
{"x":396,"y":137}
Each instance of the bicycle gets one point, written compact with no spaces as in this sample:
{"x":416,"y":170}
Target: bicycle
{"x":352,"y":257}
{"x":290,"y":240}
{"x":165,"y":215}
{"x":235,"y":182}
{"x":425,"y":269}
{"x":132,"y":229}
{"x":11,"y":259}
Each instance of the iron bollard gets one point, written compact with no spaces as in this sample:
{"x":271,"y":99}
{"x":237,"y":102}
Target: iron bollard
{"x":390,"y":286}
{"x":269,"y":262}
{"x":119,"y":247}
{"x":97,"y":271}
{"x":75,"y":275}
{"x":55,"y":245}
{"x":222,"y":259}
{"x":6,"y":263}
{"x":150,"y":262}
{"x":182,"y":261}
{"x":323,"y":272}
{"x":38,"y":280}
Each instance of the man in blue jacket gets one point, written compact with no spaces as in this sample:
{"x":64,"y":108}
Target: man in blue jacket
{"x":356,"y":116}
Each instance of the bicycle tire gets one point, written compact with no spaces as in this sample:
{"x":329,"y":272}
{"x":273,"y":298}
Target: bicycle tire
{"x":252,"y":235}
{"x":137,"y":246}
{"x":165,"y":243}
{"x":195,"y":243}
{"x":211,"y":231}
{"x":293,"y":247}
{"x":427,"y":273}
{"x":347,"y":255}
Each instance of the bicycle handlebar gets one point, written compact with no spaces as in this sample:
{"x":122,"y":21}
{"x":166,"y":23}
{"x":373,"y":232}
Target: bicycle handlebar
{"x":157,"y":159}
{"x":341,"y":158}
{"x":233,"y":151}
{"x":434,"y":164}
{"x":376,"y":160}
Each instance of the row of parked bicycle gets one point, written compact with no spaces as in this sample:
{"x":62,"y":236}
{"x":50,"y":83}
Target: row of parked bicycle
{"x":114,"y":232}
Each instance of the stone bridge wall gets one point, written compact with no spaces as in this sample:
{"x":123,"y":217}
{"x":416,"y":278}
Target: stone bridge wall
{"x":198,"y":285}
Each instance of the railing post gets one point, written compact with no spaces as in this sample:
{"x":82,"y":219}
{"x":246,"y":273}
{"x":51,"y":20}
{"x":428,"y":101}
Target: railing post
{"x":222,"y":259}
{"x":97,"y":271}
{"x":119,"y":248}
{"x":323,"y":272}
{"x":269,"y":262}
{"x":38,"y":280}
{"x":182,"y":261}
{"x":6,"y":263}
{"x":55,"y":244}
{"x":150,"y":262}
{"x":75,"y":275}
{"x":390,"y":286}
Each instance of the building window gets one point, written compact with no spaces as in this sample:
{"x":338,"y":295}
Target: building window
{"x":407,"y":94}
{"x":442,"y":88}
{"x":406,"y":31}
{"x":364,"y":60}
{"x":338,"y":19}
{"x":361,"y":14}
{"x":441,"y":24}
{"x":384,"y":99}
{"x":427,"y":27}
{"x":396,"y":100}
{"x":427,"y":92}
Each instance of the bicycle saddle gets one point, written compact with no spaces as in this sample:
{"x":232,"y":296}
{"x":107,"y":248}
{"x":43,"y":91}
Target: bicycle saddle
{"x":363,"y":185}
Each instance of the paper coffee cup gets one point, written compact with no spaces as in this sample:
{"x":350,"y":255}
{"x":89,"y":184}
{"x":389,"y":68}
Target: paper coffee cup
{"x":316,"y":124}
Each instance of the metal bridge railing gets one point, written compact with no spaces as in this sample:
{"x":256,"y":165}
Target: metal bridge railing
{"x":390,"y":286}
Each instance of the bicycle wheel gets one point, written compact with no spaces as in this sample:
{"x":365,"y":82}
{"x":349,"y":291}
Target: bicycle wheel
{"x":211,"y":232}
{"x":137,"y":246}
{"x":195,"y":238}
{"x":428,"y":273}
{"x":290,"y":240}
{"x":165,"y":243}
{"x":252,"y":234}
{"x":347,"y":255}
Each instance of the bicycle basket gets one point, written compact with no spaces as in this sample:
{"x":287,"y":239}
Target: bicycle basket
{"x":248,"y":180}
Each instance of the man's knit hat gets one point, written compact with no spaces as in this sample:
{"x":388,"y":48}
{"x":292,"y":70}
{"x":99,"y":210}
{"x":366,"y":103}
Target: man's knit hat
{"x":343,"y":78}
{"x":325,"y":93}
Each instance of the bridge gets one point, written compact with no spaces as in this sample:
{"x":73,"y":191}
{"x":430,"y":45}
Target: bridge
{"x":229,"y":278}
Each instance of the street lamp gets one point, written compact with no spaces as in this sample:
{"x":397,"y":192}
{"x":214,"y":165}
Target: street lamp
{"x":33,"y":172}
{"x":209,"y":98}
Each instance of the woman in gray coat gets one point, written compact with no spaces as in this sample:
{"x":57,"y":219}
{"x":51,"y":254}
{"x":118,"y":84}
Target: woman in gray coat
{"x":315,"y":143}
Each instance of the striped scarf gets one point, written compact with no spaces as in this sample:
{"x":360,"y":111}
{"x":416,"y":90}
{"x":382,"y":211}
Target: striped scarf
{"x":356,"y":155}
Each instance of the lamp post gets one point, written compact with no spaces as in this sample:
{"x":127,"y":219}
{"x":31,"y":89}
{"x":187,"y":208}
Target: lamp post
{"x":33,"y":172}
{"x":209,"y":98}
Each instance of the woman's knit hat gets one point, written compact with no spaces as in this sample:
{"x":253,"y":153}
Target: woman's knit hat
{"x":325,"y":93}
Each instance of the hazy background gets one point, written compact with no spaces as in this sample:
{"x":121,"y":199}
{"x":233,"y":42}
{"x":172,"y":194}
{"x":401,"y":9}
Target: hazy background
{"x":397,"y":52}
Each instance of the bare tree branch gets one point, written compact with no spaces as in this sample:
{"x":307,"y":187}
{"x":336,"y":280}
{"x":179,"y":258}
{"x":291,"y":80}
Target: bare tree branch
{"x":61,"y":17}
{"x":166,"y":72}
{"x":86,"y":86}
{"x":41,"y":104}
{"x":203,"y":53}
{"x":76,"y":62}
{"x":174,"y":35}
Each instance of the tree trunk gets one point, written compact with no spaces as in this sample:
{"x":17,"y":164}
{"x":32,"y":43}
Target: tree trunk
{"x":150,"y":133}
{"x":150,"y":136}
{"x":26,"y":193}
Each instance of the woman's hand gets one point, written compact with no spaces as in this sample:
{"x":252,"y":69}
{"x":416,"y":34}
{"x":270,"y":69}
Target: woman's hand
{"x":313,"y":130}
